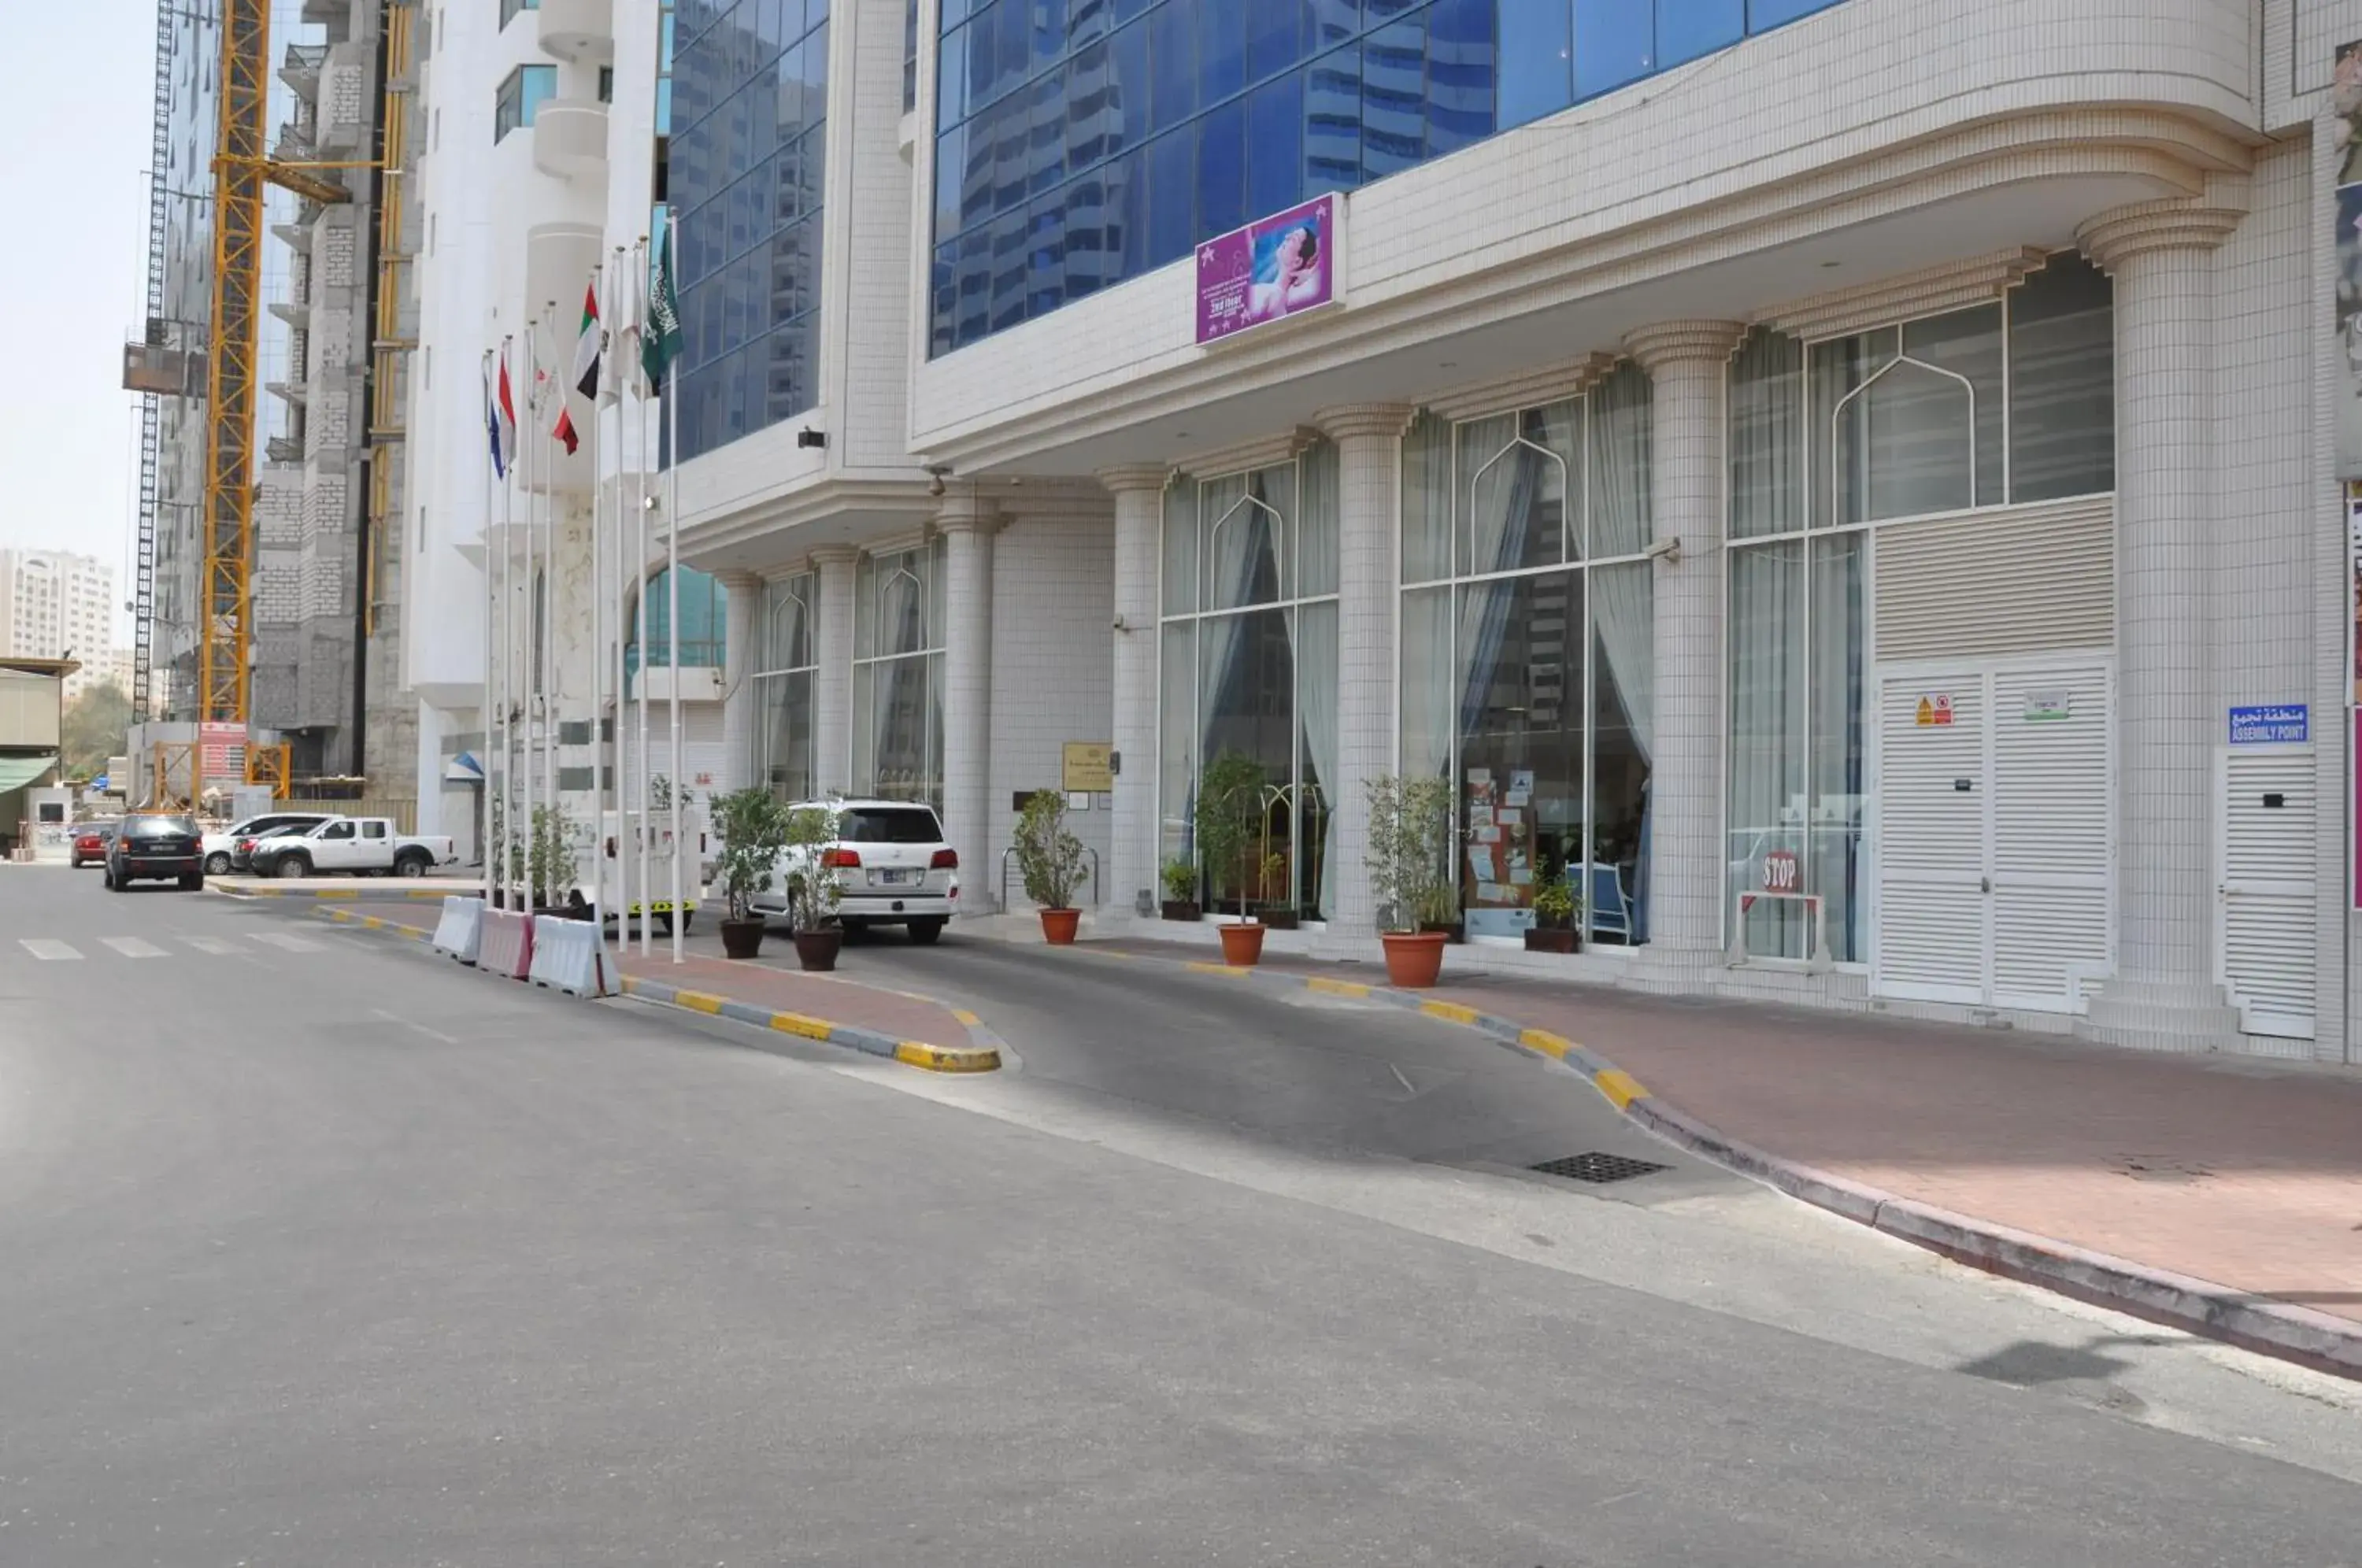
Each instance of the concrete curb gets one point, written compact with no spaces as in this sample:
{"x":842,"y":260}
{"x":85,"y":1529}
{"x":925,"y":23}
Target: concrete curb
{"x":981,"y":1054}
{"x":364,"y":891}
{"x":2288,"y":1333}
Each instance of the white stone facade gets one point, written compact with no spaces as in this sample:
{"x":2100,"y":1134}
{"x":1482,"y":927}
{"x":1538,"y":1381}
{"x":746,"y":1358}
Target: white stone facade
{"x":1799,"y":180}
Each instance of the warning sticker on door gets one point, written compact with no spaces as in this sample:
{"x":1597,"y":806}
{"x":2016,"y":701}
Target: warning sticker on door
{"x":1934,"y":708}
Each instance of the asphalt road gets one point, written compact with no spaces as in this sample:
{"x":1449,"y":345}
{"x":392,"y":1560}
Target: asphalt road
{"x":320,"y":1251}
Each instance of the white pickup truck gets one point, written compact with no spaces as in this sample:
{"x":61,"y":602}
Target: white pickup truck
{"x":364,"y":845}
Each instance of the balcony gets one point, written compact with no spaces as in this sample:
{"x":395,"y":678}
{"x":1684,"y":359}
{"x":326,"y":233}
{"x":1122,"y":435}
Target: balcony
{"x":579,"y":29}
{"x":301,"y":70}
{"x":569,"y":139}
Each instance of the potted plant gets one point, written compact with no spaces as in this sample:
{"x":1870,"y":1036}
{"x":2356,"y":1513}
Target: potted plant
{"x":1180,"y":877}
{"x":550,"y":869}
{"x":1050,"y":859}
{"x":1556,"y":913}
{"x":1277,"y":912}
{"x":1406,"y":857}
{"x":1229,"y":812}
{"x":813,"y":888}
{"x":754,"y":824}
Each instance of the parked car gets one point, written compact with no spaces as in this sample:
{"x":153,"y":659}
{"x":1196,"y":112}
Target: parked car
{"x":225,"y":850}
{"x":90,"y":841}
{"x":363,"y":845}
{"x":157,"y":846}
{"x":891,"y":864}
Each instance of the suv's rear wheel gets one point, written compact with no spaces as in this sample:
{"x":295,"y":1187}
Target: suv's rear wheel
{"x":924,"y":931}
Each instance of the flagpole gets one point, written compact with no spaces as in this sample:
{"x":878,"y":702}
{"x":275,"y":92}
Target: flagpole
{"x":550,"y":681}
{"x":597,"y":668}
{"x":529,"y":676}
{"x":509,"y":805}
{"x":619,"y":368}
{"x":640,"y":599}
{"x":672,"y":622}
{"x":492,"y":430}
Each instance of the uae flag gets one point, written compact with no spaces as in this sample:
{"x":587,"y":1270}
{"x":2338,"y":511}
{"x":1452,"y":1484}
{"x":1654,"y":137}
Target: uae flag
{"x":587,"y":345}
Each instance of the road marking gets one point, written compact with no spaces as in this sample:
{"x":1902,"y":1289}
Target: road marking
{"x":45,"y":947}
{"x":290,"y":940}
{"x":414,"y":1023}
{"x":132,"y":947}
{"x":219,"y":946}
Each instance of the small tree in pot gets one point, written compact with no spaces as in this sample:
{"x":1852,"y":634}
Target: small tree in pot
{"x":813,"y":890}
{"x":549,"y":860}
{"x":1229,"y":818}
{"x":1408,"y":857}
{"x":754,"y":824}
{"x":1180,"y":879}
{"x":1557,"y":911}
{"x":1050,"y":859}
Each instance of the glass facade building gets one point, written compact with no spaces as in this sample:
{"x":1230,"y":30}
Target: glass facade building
{"x":1082,"y":142}
{"x":746,"y":165}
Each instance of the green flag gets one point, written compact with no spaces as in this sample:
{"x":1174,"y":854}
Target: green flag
{"x":660,"y":341}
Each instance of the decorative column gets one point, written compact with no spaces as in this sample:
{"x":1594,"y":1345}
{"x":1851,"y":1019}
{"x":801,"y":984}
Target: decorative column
{"x":1369,"y":585}
{"x":967,"y":522}
{"x":742,"y":634}
{"x":1133,"y":857}
{"x":833,"y":680}
{"x":2163,"y":993}
{"x":1685,"y":361}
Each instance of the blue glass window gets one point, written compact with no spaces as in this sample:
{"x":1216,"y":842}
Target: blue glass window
{"x":1083,"y":142}
{"x":746,"y":162}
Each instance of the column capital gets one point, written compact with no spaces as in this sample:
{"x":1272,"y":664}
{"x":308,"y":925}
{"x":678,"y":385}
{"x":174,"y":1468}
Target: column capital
{"x":965,"y":512}
{"x":2116,"y":236}
{"x":1130,"y":477}
{"x":834,"y":555}
{"x":1667,"y":343}
{"x":738,"y":577}
{"x":1387,"y":421}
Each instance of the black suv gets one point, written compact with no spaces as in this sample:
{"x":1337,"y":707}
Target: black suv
{"x":156,"y":847}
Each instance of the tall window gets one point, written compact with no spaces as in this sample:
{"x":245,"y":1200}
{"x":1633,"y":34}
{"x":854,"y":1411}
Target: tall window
{"x":520,"y":96}
{"x":1082,"y":142}
{"x":2004,"y":403}
{"x":898,"y":675}
{"x":785,"y":659}
{"x":1250,"y":666}
{"x":1528,"y":661}
{"x":704,"y":614}
{"x":745,"y":165}
{"x":508,"y":9}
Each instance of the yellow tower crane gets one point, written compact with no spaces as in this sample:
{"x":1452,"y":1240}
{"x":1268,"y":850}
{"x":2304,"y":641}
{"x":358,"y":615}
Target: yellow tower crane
{"x":242,"y":165}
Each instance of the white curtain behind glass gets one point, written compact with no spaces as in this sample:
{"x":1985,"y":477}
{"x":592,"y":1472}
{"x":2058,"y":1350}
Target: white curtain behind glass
{"x":1767,"y":436}
{"x":1623,"y":608}
{"x":1315,"y":629}
{"x":1622,"y":408}
{"x":1316,"y":524}
{"x":1234,"y":539}
{"x":1428,"y":504}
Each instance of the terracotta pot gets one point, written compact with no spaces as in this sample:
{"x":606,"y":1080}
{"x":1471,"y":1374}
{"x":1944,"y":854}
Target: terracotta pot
{"x":1241,"y":945}
{"x":1414,"y":959}
{"x":816,"y":950}
{"x":1551,"y":939}
{"x":1182,"y":909}
{"x":1455,"y":931}
{"x":742,"y":938}
{"x":1058,"y":926}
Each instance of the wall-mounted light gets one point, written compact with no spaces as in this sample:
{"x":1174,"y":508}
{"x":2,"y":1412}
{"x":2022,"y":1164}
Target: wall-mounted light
{"x":935,"y":472}
{"x":808,"y":436}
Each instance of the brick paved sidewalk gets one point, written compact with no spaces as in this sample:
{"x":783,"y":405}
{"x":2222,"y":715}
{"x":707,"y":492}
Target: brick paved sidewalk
{"x":2244,"y":1173}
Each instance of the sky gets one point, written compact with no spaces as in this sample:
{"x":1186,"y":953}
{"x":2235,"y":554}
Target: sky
{"x":76,"y":95}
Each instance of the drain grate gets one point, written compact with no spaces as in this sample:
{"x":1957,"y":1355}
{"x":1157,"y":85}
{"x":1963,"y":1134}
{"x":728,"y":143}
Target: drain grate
{"x":1598,"y":1168}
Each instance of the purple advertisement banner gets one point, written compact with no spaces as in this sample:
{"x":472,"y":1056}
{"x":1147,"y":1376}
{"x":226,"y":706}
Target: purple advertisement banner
{"x":1276,"y":266}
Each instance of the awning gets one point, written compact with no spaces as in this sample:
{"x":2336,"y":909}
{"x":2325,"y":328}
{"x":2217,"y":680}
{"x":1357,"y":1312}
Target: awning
{"x":16,"y":772}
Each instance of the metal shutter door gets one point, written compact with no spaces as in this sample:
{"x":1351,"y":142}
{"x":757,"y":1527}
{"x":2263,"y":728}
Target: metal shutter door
{"x":2266,"y":910}
{"x":2051,"y":850}
{"x":1931,"y":942}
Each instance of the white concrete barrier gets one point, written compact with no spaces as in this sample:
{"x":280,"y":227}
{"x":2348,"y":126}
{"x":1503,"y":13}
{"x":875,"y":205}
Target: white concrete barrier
{"x":505,"y":947}
{"x":460,"y":931}
{"x":568,"y":956}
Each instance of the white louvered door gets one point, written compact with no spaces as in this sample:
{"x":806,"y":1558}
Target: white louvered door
{"x":1933,"y":941}
{"x":2265,"y":818}
{"x":2051,"y":834}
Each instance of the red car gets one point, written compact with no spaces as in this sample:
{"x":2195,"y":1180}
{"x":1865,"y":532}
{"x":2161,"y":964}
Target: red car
{"x":90,"y":844}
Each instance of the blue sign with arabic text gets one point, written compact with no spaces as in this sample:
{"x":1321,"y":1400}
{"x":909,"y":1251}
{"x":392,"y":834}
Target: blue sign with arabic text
{"x":2274,"y":724}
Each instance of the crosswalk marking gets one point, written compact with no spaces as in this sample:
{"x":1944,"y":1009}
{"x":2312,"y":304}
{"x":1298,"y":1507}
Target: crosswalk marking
{"x":47,"y":947}
{"x":219,"y":946}
{"x":290,"y":940}
{"x":132,"y":947}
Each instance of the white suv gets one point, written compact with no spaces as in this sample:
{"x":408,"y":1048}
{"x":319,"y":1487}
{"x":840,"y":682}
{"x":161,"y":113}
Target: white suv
{"x":892,"y":867}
